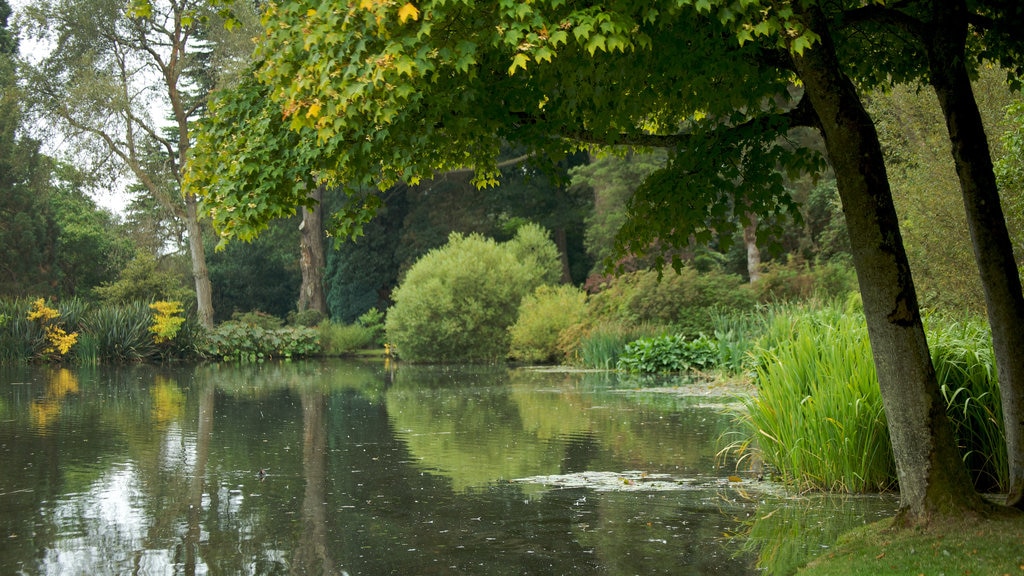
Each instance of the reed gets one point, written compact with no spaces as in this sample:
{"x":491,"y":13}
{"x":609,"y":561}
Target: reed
{"x":817,"y":417}
{"x":965,"y":367}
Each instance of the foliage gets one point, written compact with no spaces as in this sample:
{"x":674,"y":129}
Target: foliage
{"x":257,"y":319}
{"x":259,"y":275}
{"x":542,"y":317}
{"x":244,"y":342}
{"x":1010,"y":172}
{"x":120,"y":334}
{"x":342,"y":339}
{"x":457,"y":302}
{"x":600,"y":345}
{"x":142,"y":280}
{"x":307,"y":317}
{"x":669,"y":353}
{"x":613,"y":178}
{"x":681,"y":300}
{"x":58,"y":340}
{"x":797,"y":280}
{"x":166,"y":320}
{"x":927,"y":193}
{"x":373,"y":321}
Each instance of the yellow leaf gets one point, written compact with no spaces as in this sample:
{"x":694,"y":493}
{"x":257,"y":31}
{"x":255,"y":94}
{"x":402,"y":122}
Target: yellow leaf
{"x":518,"y":61}
{"x":314,"y":110}
{"x":311,"y":12}
{"x":408,"y":12}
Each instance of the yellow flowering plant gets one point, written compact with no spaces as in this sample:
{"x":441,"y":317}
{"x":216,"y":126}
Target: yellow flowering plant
{"x":58,"y":340}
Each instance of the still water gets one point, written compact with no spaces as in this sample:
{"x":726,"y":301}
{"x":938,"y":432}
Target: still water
{"x":361,"y":468}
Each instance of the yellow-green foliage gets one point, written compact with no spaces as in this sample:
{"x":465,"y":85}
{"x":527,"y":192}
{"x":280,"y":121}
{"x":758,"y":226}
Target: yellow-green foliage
{"x":59,"y":341}
{"x":542,"y":317}
{"x":166,"y":320}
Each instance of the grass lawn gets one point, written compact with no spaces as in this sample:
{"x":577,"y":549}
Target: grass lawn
{"x":990,"y":547}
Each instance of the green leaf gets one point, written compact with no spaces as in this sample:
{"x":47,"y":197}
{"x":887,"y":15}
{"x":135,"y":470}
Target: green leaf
{"x":596,"y":42}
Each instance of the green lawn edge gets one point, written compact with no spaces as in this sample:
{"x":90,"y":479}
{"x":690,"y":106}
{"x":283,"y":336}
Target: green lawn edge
{"x":966,"y":546}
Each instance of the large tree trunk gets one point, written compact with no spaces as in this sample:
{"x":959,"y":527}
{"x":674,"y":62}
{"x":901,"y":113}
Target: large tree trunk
{"x":204,"y":293}
{"x":312,"y":260}
{"x":932,"y":478}
{"x":993,"y":250}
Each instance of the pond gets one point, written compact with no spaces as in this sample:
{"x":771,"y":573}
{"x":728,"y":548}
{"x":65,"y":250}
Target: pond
{"x":340,"y":467}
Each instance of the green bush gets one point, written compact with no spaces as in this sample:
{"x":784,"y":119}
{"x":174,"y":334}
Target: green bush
{"x":257,"y":319}
{"x":543,"y":315}
{"x":308,"y":317}
{"x":457,"y":302}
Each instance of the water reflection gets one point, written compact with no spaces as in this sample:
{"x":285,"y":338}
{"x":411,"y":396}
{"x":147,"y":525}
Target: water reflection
{"x":364,"y":471}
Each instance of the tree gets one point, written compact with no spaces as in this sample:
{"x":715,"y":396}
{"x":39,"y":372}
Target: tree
{"x":99,"y":83}
{"x":939,"y":29}
{"x":418,"y":91}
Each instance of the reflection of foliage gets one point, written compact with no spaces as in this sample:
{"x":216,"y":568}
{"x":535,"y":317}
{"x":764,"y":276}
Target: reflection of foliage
{"x":168,"y":400}
{"x":787,"y":535}
{"x":60,"y":383}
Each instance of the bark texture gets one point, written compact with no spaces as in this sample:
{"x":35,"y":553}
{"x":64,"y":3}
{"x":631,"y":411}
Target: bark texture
{"x":204,"y":292}
{"x":932,"y":478}
{"x":993,"y":250}
{"x":312,"y":260}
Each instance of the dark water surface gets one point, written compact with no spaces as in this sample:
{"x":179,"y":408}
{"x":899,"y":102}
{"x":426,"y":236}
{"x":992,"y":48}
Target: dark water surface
{"x":349,"y":468}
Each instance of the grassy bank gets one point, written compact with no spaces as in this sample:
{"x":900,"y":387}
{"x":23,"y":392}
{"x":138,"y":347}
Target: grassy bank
{"x":990,"y":546}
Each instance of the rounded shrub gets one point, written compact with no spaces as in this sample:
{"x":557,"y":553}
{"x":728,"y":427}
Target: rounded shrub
{"x":543,"y":316}
{"x":457,"y":302}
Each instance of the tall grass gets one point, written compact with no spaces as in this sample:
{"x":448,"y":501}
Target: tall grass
{"x":965,"y":366}
{"x":817,"y":416}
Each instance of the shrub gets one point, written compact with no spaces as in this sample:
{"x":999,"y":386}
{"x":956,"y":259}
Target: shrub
{"x":308,"y":317}
{"x":373,"y":321}
{"x":257,"y":319}
{"x":668,"y":353}
{"x":457,"y":302}
{"x":342,"y":339}
{"x":543,"y":315}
